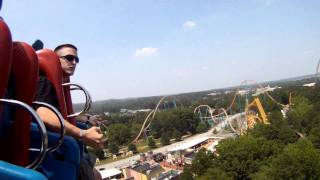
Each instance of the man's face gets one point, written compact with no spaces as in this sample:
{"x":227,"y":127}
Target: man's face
{"x":68,"y":59}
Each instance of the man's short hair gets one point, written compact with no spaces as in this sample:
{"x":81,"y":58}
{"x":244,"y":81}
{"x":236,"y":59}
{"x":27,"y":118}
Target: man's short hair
{"x":65,"y":45}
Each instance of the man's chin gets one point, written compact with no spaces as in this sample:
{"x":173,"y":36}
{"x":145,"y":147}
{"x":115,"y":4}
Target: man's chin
{"x":69,"y":73}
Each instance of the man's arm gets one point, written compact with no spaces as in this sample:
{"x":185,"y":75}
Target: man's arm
{"x":91,"y":137}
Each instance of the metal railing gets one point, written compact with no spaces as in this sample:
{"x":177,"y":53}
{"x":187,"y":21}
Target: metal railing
{"x":88,"y":103}
{"x":43,"y":132}
{"x":59,"y":142}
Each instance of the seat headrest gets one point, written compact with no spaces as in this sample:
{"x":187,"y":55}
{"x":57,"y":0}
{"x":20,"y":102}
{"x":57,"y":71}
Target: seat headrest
{"x":49,"y":64}
{"x":24,"y":69}
{"x":5,"y":55}
{"x":22,"y":87}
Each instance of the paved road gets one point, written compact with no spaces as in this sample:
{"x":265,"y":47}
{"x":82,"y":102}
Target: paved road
{"x":127,"y":162}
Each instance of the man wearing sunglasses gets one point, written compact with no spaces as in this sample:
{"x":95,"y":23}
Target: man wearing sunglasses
{"x":45,"y":93}
{"x":68,"y":58}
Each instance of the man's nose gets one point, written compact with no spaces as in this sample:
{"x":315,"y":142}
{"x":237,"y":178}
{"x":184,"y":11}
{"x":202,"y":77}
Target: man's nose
{"x":74,"y":61}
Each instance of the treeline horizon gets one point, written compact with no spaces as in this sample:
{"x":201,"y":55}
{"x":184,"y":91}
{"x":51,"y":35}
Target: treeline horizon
{"x":182,"y":100}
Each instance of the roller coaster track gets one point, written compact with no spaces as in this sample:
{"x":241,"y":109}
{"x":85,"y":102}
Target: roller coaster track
{"x":156,"y":109}
{"x":147,"y":122}
{"x":152,"y":114}
{"x":208,"y":108}
{"x":317,"y":72}
{"x":260,"y":86}
{"x":222,"y":111}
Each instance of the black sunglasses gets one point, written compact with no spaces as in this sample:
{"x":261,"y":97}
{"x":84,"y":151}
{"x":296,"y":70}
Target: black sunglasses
{"x":70,"y":58}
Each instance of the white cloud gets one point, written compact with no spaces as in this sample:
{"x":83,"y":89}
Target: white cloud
{"x":146,"y":51}
{"x":189,"y":24}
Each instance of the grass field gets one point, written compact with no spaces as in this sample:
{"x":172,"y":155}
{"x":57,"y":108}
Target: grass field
{"x":142,"y":147}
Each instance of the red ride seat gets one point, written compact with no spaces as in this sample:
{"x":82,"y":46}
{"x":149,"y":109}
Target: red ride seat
{"x":21,"y":87}
{"x":5,"y":56}
{"x":14,"y":148}
{"x":67,"y":165}
{"x":5,"y":63}
{"x":49,"y":65}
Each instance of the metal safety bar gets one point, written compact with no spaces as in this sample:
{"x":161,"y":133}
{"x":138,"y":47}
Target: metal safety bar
{"x":88,"y":103}
{"x":43,"y":131}
{"x":59,"y":142}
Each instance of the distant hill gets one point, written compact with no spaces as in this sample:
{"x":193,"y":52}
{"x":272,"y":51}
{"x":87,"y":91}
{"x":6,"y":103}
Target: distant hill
{"x":296,"y":80}
{"x":185,"y":99}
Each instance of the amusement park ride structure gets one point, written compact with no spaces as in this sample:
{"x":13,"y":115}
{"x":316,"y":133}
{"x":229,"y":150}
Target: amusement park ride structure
{"x":253,"y":112}
{"x":317,"y":72}
{"x":147,"y":121}
{"x":205,"y":113}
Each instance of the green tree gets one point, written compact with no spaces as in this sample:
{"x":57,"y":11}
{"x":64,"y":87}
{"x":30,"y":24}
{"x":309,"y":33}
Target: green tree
{"x":113,"y":148}
{"x":165,"y":140}
{"x":119,"y":134}
{"x":177,"y":135}
{"x":314,"y":137}
{"x":187,"y":173}
{"x":156,"y":127}
{"x":99,"y":153}
{"x":241,"y":157}
{"x":278,"y":130}
{"x":187,"y":122}
{"x":297,"y":161}
{"x":214,"y":173}
{"x":135,"y":129}
{"x":151,"y":142}
{"x":180,"y":119}
{"x":299,"y":116}
{"x":132,"y":147}
{"x":202,"y":127}
{"x":202,"y":161}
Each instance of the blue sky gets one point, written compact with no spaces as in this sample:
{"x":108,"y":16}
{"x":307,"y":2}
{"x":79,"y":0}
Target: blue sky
{"x":133,"y":48}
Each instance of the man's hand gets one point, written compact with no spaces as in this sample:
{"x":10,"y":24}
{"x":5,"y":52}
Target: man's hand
{"x":93,"y":137}
{"x":94,"y":120}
